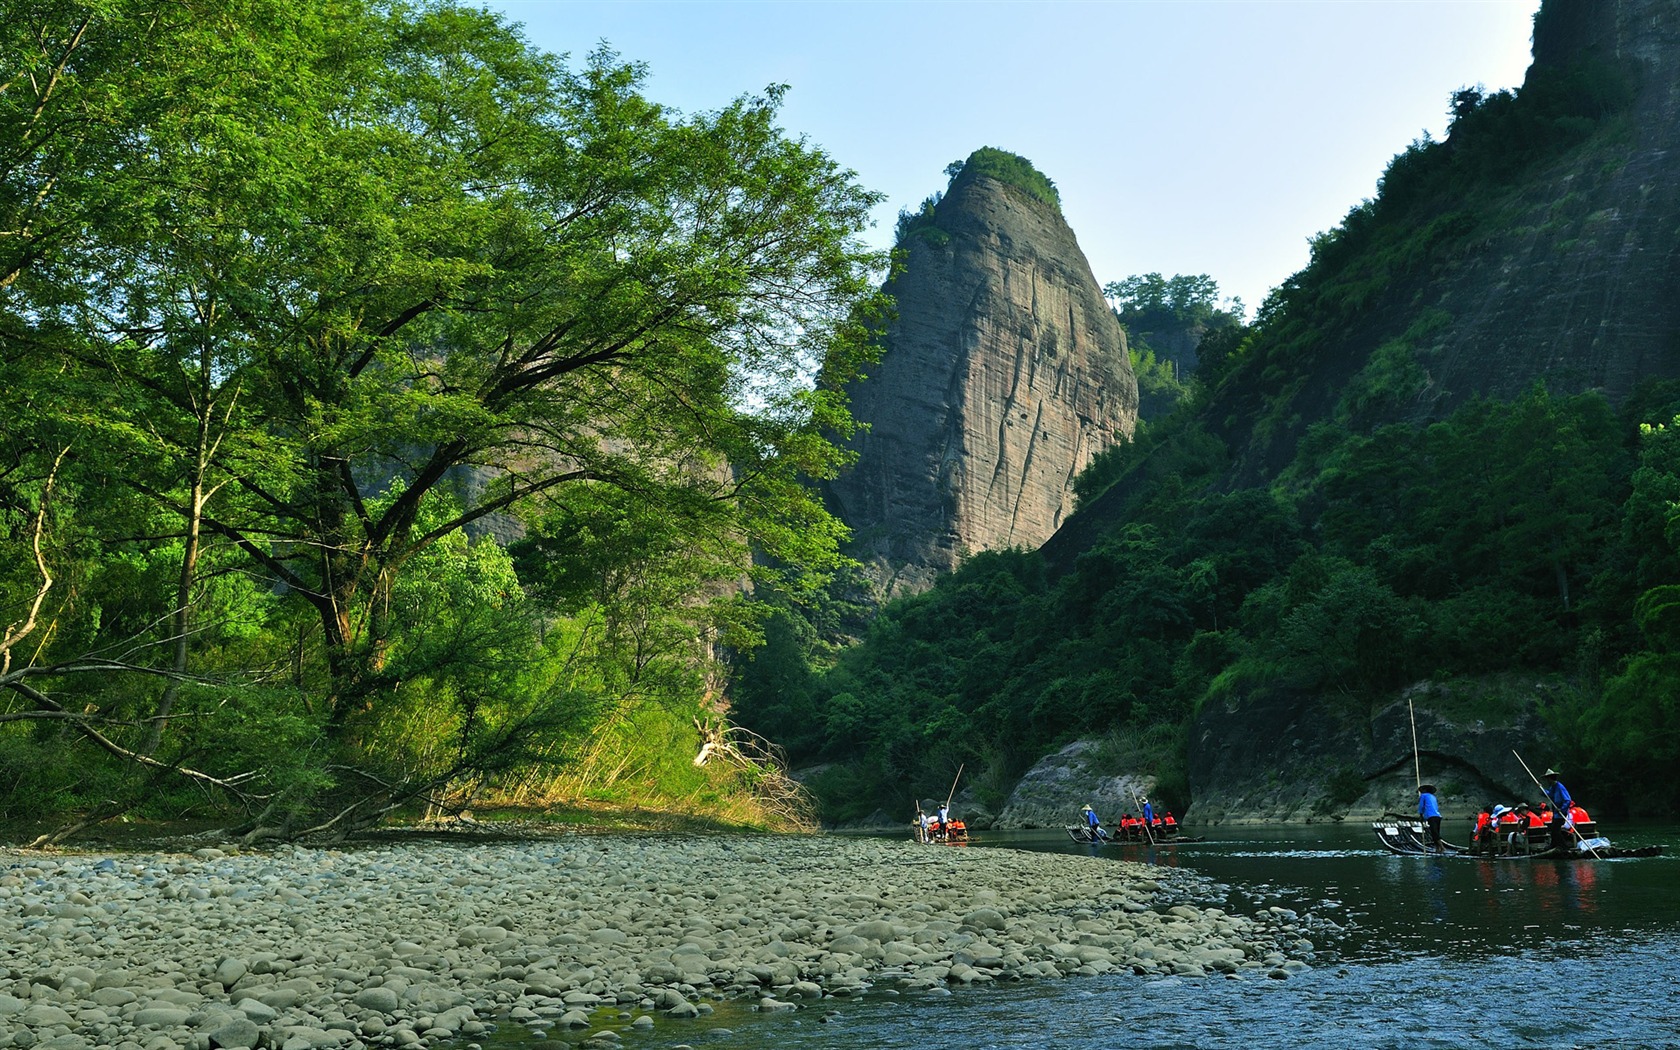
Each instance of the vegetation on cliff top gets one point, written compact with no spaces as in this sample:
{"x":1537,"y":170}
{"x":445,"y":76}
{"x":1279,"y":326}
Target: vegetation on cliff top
{"x":1008,"y":168}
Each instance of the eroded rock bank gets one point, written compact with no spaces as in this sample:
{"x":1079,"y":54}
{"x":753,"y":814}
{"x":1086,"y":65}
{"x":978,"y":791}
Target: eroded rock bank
{"x":1283,"y":758}
{"x":413,"y":945}
{"x":1052,"y":792}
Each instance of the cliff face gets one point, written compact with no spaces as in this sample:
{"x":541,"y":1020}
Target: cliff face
{"x":1553,"y":259}
{"x":1290,"y":759}
{"x":1582,"y":287}
{"x":1005,"y":372}
{"x":1560,"y":266}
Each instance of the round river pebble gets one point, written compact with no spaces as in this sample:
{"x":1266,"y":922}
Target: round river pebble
{"x":421,"y":944}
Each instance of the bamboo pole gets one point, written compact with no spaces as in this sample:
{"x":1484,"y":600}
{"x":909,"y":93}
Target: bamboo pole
{"x":1417,"y":762}
{"x":953,"y":793}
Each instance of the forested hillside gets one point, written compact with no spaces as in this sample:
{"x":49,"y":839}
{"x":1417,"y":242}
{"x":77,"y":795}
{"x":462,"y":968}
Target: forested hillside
{"x":296,"y":301}
{"x":1343,"y":507}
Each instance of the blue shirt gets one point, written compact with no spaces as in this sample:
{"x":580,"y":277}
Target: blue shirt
{"x":1148,"y":813}
{"x":1427,"y":806}
{"x":1091,"y":818}
{"x":1560,"y":797}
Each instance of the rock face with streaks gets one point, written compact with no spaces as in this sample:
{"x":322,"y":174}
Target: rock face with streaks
{"x":1005,"y":372}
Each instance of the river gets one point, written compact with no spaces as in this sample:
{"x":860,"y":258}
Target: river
{"x":1431,"y":952}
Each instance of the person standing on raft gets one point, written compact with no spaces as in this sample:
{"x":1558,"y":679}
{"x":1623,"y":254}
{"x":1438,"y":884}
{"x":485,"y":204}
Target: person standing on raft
{"x":1094,"y":825}
{"x":1563,"y":806}
{"x":1430,"y":810}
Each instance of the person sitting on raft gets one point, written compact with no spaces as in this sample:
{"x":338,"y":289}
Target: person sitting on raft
{"x":1480,"y":826}
{"x":1526,"y":829}
{"x":1512,"y":823}
{"x":1169,"y":822}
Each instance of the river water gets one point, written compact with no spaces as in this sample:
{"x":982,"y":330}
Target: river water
{"x":1424,"y":952}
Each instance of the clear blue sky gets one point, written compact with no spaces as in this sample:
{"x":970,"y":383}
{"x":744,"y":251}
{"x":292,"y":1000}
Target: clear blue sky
{"x":1185,"y":136}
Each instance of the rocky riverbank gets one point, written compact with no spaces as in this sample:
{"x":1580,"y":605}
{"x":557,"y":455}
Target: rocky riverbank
{"x":417,"y":944}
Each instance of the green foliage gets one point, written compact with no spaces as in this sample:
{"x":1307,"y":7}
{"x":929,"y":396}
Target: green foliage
{"x":1010,"y":169}
{"x":1343,"y":787}
{"x":1168,"y":321}
{"x":922,"y":223}
{"x":1437,"y":202}
{"x":1148,"y":299}
{"x":1508,"y":539}
{"x":1177,"y":448}
{"x":304,"y":291}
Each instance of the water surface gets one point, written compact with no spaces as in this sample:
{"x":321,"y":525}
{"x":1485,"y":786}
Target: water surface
{"x":1423,"y":952}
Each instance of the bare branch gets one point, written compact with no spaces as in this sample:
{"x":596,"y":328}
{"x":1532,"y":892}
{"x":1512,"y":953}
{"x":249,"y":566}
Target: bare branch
{"x":16,"y":632}
{"x":44,"y":702}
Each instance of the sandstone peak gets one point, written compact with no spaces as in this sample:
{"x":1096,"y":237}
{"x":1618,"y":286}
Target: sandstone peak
{"x":1005,"y":371}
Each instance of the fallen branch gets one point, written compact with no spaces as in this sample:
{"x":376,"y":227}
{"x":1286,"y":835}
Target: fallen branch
{"x":105,"y":743}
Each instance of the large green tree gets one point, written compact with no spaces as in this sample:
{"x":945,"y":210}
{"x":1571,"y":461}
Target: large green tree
{"x":318,"y":267}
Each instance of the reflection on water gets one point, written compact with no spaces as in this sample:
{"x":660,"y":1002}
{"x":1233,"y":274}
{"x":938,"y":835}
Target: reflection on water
{"x":1430,"y":952}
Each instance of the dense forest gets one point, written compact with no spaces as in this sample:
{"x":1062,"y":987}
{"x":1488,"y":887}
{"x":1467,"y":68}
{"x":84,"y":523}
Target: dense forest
{"x":401,"y":419}
{"x":1241,"y":544}
{"x":393,"y":411}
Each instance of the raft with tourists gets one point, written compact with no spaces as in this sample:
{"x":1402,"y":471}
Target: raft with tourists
{"x":1410,"y":838}
{"x":1156,"y":836}
{"x":938,"y":827}
{"x":1149,"y":827}
{"x":1557,"y":828}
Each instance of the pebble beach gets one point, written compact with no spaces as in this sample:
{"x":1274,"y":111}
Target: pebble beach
{"x":590,"y":939}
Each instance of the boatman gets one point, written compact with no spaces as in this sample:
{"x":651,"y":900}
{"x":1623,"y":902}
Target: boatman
{"x":1561,"y":800}
{"x":1148,"y":813}
{"x":1094,"y":825}
{"x":1562,"y":804}
{"x":1430,"y":810}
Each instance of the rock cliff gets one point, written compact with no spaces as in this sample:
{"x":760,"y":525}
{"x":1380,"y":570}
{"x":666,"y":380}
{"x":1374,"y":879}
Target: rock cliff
{"x":1050,"y":794}
{"x":1535,"y":244}
{"x":1256,"y":760}
{"x":1004,"y":373}
{"x":1581,"y":284}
